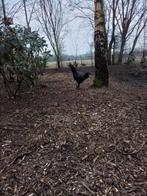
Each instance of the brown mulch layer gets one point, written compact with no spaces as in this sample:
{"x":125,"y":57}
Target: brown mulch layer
{"x":59,"y":141}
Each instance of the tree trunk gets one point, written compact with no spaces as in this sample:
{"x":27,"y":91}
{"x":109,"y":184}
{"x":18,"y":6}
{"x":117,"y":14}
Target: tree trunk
{"x":131,"y":56}
{"x":58,"y":62}
{"x":4,"y":13}
{"x":109,"y":56}
{"x":26,"y":14}
{"x":120,"y":56}
{"x":101,"y":70}
{"x":134,"y":44}
{"x":113,"y":54}
{"x":58,"y":59}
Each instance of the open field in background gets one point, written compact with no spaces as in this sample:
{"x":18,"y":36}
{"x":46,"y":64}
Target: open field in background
{"x":86,"y":62}
{"x":133,"y":73}
{"x":66,"y":63}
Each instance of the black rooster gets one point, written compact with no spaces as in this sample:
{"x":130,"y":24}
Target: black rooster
{"x":78,"y":77}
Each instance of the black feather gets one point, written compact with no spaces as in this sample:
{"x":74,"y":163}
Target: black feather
{"x":78,"y":77}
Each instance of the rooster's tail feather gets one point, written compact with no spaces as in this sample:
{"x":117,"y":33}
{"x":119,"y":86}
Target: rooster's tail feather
{"x":86,"y":75}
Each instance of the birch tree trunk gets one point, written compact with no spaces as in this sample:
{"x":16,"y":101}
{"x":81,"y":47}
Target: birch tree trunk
{"x":100,"y":40}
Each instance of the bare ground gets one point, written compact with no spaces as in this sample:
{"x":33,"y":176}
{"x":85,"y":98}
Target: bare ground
{"x":59,"y":141}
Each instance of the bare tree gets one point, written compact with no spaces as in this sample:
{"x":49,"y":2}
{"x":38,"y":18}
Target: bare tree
{"x":11,"y":8}
{"x":111,"y":7}
{"x":75,"y":47}
{"x":22,"y":6}
{"x":91,"y":51}
{"x":122,"y":17}
{"x":139,"y":28}
{"x":15,"y":8}
{"x":4,"y":10}
{"x":53,"y":24}
{"x":29,"y":13}
{"x":129,"y":18}
{"x":100,"y":41}
{"x":1,"y":12}
{"x":4,"y":17}
{"x":84,"y":9}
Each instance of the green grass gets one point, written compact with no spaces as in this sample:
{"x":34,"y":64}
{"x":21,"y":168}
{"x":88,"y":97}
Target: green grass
{"x":66,"y":63}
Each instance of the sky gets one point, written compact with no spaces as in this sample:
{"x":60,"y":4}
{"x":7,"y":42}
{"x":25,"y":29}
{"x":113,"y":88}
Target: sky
{"x":77,"y":38}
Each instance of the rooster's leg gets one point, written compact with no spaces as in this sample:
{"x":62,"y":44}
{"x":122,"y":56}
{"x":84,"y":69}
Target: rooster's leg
{"x":78,"y":86}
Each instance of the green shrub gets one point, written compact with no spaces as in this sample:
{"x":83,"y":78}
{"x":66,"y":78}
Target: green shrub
{"x":23,"y":56}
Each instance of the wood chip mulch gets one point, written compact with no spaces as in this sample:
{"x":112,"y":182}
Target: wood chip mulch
{"x":59,"y":141}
